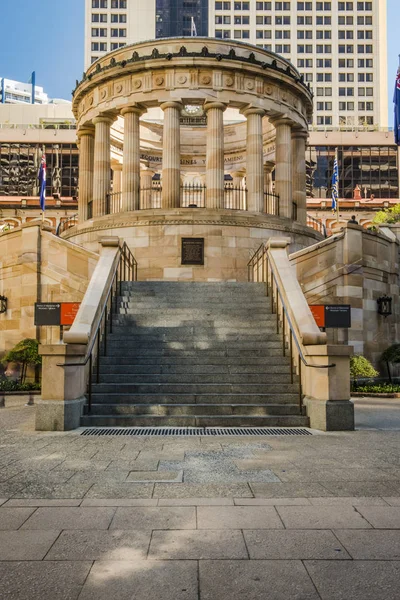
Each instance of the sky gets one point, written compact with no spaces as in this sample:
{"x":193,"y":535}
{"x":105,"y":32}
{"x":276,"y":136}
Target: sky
{"x":46,"y":36}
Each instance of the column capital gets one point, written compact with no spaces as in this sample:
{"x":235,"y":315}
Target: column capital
{"x":108,"y":118}
{"x":269,"y":166}
{"x":299,"y":133}
{"x":282,"y":120}
{"x":116,"y":166}
{"x":137,"y":109}
{"x":171,"y":104}
{"x":209,"y":105}
{"x":252,"y":110}
{"x":85,"y":130}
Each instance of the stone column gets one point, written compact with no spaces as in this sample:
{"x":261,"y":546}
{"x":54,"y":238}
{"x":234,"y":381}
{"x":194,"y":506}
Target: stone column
{"x":146,"y":201}
{"x":237,"y":197}
{"x":117,"y":177}
{"x":254,"y":159}
{"x":101,"y":178}
{"x":86,"y":167}
{"x":283,"y":168}
{"x":215,"y":154}
{"x":171,"y":157}
{"x":268,"y":168}
{"x":131,"y":160}
{"x":299,"y":138}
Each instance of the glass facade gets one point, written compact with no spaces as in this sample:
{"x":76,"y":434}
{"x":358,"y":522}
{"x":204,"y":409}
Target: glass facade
{"x":19,"y":167}
{"x":174,"y":17}
{"x":373,"y":168}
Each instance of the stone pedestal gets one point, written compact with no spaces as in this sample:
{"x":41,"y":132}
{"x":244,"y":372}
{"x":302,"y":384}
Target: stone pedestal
{"x":299,"y":138}
{"x":171,"y":166}
{"x":146,"y":179}
{"x":131,"y":160}
{"x":283,"y":168}
{"x":215,"y":155}
{"x":102,"y":165}
{"x":269,"y":166}
{"x":236,"y":199}
{"x":254,"y":159}
{"x":86,"y":166}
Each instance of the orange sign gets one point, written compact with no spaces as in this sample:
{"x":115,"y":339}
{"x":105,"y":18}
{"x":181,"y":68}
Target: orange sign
{"x":68,"y":312}
{"x":318,"y":311}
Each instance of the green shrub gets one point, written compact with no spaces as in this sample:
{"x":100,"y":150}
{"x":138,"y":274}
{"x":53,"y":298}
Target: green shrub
{"x":361,"y":367}
{"x":9,"y":385}
{"x":24,"y":353}
{"x":388,"y":215}
{"x":383,"y":388}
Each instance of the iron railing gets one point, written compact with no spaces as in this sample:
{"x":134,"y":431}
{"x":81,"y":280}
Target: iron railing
{"x":271,"y":203}
{"x":193,"y":195}
{"x":317,"y":225}
{"x":90,"y":209}
{"x":67,"y":224}
{"x":294,"y":211}
{"x":151,"y":197}
{"x":113,"y":203}
{"x":235,"y":197}
{"x":125,"y":270}
{"x":261,"y":270}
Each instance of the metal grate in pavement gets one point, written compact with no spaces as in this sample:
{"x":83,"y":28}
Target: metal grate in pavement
{"x":194,"y":431}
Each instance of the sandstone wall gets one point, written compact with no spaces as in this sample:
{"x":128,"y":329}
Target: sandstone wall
{"x":355,"y":267}
{"x":64,"y":274}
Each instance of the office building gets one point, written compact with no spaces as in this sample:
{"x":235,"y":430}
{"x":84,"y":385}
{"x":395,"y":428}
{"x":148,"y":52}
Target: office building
{"x":17,"y":92}
{"x":339,"y":47}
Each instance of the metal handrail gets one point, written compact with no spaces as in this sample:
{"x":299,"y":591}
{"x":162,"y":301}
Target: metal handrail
{"x":124,"y":270}
{"x":320,"y":227}
{"x":261,"y":254}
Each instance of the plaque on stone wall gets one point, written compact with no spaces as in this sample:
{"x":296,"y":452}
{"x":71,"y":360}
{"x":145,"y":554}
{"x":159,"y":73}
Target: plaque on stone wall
{"x":192,"y":251}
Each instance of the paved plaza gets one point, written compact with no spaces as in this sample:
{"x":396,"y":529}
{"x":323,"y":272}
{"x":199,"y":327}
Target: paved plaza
{"x":277,"y":518}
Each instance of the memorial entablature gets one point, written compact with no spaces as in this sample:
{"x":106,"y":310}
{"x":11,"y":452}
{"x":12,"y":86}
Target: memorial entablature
{"x":204,"y":123}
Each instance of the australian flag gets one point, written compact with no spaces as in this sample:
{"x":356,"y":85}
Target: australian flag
{"x":335,"y":185}
{"x":396,"y":101}
{"x":42,"y":182}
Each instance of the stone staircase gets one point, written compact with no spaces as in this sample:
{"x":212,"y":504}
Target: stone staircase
{"x":194,"y":354}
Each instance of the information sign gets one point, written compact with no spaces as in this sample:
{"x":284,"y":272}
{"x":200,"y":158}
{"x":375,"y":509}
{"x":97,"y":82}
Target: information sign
{"x":192,"y":251}
{"x":331,"y":316}
{"x":55,"y":313}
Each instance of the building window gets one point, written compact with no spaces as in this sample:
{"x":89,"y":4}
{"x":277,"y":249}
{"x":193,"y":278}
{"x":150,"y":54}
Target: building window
{"x":99,"y":3}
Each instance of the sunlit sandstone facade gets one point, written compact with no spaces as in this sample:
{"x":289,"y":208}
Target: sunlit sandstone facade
{"x":250,"y":109}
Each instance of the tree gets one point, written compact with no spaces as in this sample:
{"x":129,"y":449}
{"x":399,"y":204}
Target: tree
{"x":391,"y":355}
{"x":389,"y":215}
{"x":24,"y":353}
{"x":361,"y":367}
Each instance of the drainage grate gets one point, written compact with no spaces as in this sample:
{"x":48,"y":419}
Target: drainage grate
{"x":195,"y":431}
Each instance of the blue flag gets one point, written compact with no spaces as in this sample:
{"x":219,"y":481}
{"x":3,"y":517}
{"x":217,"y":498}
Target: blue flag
{"x":42,"y":182}
{"x":335,"y":185}
{"x":396,"y":101}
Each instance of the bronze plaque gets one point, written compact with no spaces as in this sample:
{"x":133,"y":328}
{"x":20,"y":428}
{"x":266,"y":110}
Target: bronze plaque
{"x":192,"y":251}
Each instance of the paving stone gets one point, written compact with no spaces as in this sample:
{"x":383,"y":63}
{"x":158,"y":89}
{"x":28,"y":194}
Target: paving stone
{"x":142,"y":580}
{"x":195,"y":502}
{"x":119,"y":502}
{"x":38,"y":580}
{"x":117,"y":490}
{"x":22,"y":502}
{"x":238,"y":517}
{"x":198,"y":545}
{"x":255,"y":580}
{"x":371,"y":544}
{"x":392,"y":501}
{"x":189,"y":490}
{"x":62,"y":491}
{"x":322,"y":517}
{"x":3,"y":500}
{"x":349,"y":501}
{"x":288,"y":490}
{"x":26,"y":545}
{"x":70,"y":518}
{"x":261,"y":464}
{"x":154,"y":518}
{"x":100,"y":545}
{"x":160,"y":476}
{"x":13,"y":518}
{"x":133,"y":465}
{"x":358,"y":580}
{"x":272,"y":501}
{"x":381,"y":517}
{"x":291,"y":544}
{"x":359,"y":488}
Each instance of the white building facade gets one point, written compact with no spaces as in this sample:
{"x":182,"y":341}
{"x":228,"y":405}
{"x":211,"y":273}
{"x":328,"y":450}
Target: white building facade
{"x":17,"y":92}
{"x":340,"y":47}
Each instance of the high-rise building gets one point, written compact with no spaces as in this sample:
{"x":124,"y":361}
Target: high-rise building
{"x":339,"y":47}
{"x":17,"y":92}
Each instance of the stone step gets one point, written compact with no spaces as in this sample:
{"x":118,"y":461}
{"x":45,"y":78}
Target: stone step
{"x":170,"y":410}
{"x":162,"y":322}
{"x":264,"y":399}
{"x":200,"y":360}
{"x":194,"y":388}
{"x":191,"y":378}
{"x":194,"y":421}
{"x":144,"y":341}
{"x":273,"y":348}
{"x":184,"y":330}
{"x":194,"y":369}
